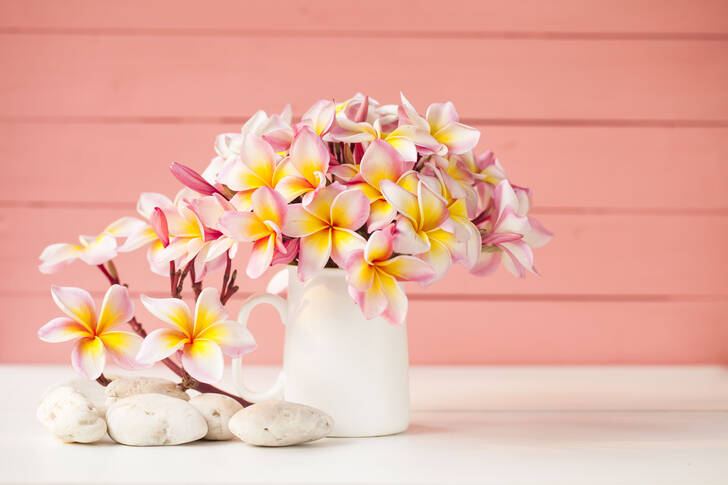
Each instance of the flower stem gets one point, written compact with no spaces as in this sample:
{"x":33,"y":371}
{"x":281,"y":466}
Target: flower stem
{"x":196,"y":285}
{"x":113,"y":280}
{"x":188,"y":382}
{"x":103,"y":380}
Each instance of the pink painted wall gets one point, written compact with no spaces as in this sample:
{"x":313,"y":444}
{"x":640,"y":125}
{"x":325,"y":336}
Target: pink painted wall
{"x":615,"y":112}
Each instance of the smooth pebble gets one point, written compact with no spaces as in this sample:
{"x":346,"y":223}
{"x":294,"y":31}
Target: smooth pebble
{"x":71,"y":416}
{"x":217,"y":410}
{"x":280,"y":423}
{"x":153,"y":420}
{"x":129,"y":386}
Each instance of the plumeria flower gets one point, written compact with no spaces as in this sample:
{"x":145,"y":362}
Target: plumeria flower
{"x":189,"y":238}
{"x":421,"y":228}
{"x":372,"y":274}
{"x":310,"y":158}
{"x":442,"y":122}
{"x":404,"y":138}
{"x":91,"y":250}
{"x":94,"y":335}
{"x":275,"y":129}
{"x":202,"y":339}
{"x":380,"y":162}
{"x":326,"y":224}
{"x":509,"y":231}
{"x":257,"y":166}
{"x":210,"y":210}
{"x":468,"y":249}
{"x":319,"y":117}
{"x":262,"y":227}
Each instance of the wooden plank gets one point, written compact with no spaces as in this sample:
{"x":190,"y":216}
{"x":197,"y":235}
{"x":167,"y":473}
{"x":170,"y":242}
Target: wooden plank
{"x":471,"y":332}
{"x":175,"y":76}
{"x":632,"y":256}
{"x":568,"y":167}
{"x":622,"y":16}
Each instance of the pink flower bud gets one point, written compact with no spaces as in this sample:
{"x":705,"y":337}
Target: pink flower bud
{"x":192,"y":179}
{"x":159,"y":225}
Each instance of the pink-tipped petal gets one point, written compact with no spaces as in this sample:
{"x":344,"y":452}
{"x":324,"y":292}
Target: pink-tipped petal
{"x":160,"y":344}
{"x":209,"y":310}
{"x":100,"y":250}
{"x":408,"y":268}
{"x":402,"y":200}
{"x":520,"y":258}
{"x":269,"y":205}
{"x":234,"y":339}
{"x":292,"y":186}
{"x":261,"y":256}
{"x":300,"y":222}
{"x":320,"y":116}
{"x":62,"y":329}
{"x":359,"y":273}
{"x":380,"y":245}
{"x":243,"y":226}
{"x":309,"y":155}
{"x":458,"y":138}
{"x":488,"y":262}
{"x":407,"y":240}
{"x":440,"y":114}
{"x":374,"y":300}
{"x":350,"y":210}
{"x":77,"y":304}
{"x":381,"y":161}
{"x":257,"y":155}
{"x":203,"y":360}
{"x":171,"y":310}
{"x":137,"y":240}
{"x":125,"y":227}
{"x":510,"y":222}
{"x":539,"y":236}
{"x":117,"y":308}
{"x":88,"y":357}
{"x":343,"y":242}
{"x":439,"y":259}
{"x":123,"y":348}
{"x":314,"y":253}
{"x":396,"y":310}
{"x":408,"y":114}
{"x":57,"y":256}
{"x":149,"y":200}
{"x":237,"y":176}
{"x":381,"y":213}
{"x":432,"y":208}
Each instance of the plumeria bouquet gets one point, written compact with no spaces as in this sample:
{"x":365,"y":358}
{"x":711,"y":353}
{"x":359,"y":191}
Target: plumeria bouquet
{"x":377,"y":190}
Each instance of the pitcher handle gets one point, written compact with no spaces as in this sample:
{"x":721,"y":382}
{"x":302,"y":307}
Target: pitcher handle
{"x":276,"y":391}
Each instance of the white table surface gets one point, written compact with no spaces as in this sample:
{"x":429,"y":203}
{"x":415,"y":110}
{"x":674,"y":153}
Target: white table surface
{"x":485,"y":425}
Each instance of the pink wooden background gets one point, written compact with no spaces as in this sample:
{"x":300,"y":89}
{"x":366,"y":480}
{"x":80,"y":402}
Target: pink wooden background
{"x":616,"y":112}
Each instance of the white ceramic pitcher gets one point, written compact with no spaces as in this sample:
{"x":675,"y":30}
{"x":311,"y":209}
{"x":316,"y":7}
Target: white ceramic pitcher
{"x":334,"y":359}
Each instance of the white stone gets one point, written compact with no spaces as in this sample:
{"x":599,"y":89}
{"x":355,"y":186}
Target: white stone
{"x":128,"y":386}
{"x":280,"y":423}
{"x":92,"y":390}
{"x":154,"y":419}
{"x":217,"y":410}
{"x":72,"y":417}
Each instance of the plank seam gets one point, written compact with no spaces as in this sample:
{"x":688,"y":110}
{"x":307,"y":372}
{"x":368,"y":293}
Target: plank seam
{"x":392,"y":34}
{"x":236,"y":120}
{"x":562,"y":297}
